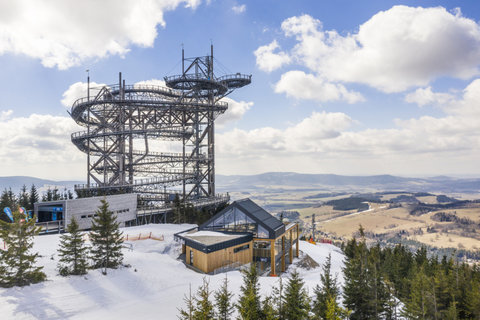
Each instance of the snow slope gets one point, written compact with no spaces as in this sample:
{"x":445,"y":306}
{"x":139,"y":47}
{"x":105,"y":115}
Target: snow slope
{"x":152,"y":288}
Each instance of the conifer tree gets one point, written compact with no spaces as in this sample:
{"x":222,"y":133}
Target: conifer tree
{"x":278,"y":297}
{"x":327,"y":292}
{"x":376,"y":282}
{"x":23,"y":198}
{"x":473,"y":300}
{"x":8,"y":199}
{"x":223,"y":301}
{"x":72,"y":251}
{"x":249,"y":306}
{"x":33,"y":197}
{"x":417,"y":306}
{"x":334,"y":312}
{"x":106,"y":239}
{"x":268,"y":309}
{"x":204,"y":308}
{"x":357,"y":292}
{"x":189,"y":301}
{"x":297,"y":302}
{"x":17,"y":262}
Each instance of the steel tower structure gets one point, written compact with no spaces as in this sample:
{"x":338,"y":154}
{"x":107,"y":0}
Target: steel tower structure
{"x":125,"y":123}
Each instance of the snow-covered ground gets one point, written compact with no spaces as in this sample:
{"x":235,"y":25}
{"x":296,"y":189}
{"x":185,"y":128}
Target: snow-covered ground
{"x":152,"y":288}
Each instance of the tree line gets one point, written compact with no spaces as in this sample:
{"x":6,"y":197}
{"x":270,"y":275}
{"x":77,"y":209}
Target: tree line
{"x":27,"y":197}
{"x":18,"y":264}
{"x":287,"y":301}
{"x":379,"y":283}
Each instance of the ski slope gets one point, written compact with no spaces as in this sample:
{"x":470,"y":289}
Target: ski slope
{"x":152,"y":288}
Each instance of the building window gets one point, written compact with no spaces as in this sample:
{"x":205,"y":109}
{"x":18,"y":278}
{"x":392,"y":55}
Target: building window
{"x":238,"y":249}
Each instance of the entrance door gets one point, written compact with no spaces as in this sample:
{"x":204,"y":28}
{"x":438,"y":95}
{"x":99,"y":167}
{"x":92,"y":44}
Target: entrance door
{"x":191,"y":257}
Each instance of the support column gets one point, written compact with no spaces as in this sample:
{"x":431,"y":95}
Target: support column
{"x":296,"y":247}
{"x":272,"y":258}
{"x":290,"y":250}
{"x":283,"y":253}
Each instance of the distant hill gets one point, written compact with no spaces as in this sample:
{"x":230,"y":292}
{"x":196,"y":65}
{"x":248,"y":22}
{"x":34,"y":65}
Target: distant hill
{"x":16,"y":182}
{"x":440,"y":184}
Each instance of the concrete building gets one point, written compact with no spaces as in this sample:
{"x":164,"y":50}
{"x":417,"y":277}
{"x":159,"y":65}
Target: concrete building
{"x":54,"y":216}
{"x":241,"y":233}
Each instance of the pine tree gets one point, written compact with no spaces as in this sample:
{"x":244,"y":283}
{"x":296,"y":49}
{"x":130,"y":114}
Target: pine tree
{"x":204,"y":308}
{"x":297,"y":302}
{"x":278,"y":297}
{"x":268,"y":309}
{"x":33,"y":197}
{"x":8,"y":199}
{"x":473,"y":300}
{"x":23,"y":197}
{"x":334,"y":312}
{"x":223,"y":303}
{"x":327,"y":292}
{"x":72,"y":251}
{"x":249,"y":307}
{"x":357,"y":292}
{"x":376,"y":282}
{"x":189,"y":301}
{"x":417,"y":306}
{"x":17,"y":263}
{"x":106,"y":239}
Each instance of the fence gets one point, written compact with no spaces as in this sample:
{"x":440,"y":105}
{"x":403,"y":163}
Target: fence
{"x":134,"y":237}
{"x":145,"y":236}
{"x":228,"y":267}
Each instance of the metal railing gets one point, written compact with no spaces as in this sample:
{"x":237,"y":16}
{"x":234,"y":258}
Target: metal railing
{"x":50,"y":226}
{"x":227,"y":267}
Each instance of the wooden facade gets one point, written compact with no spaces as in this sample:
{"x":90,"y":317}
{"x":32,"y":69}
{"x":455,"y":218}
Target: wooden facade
{"x":209,"y":262}
{"x":270,"y":241}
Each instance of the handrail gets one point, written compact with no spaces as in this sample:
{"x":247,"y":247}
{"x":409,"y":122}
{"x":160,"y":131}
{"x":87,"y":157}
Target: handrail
{"x":235,"y":76}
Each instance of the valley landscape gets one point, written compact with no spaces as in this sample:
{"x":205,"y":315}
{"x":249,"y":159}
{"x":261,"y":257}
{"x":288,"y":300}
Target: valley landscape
{"x":441,"y":213}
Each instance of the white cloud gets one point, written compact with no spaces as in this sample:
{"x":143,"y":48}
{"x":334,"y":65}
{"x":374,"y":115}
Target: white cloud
{"x":151,"y":82}
{"x":39,"y":145}
{"x":235,"y":111}
{"x":66,"y":33}
{"x":79,"y":90}
{"x":5,"y":115}
{"x":425,"y":96}
{"x":325,"y":142}
{"x":239,"y":8}
{"x":268,"y":60}
{"x":300,"y":85}
{"x":394,"y":50}
{"x":302,"y":137}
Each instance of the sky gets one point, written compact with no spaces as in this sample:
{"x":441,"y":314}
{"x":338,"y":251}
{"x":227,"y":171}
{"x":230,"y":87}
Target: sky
{"x":343,"y":87}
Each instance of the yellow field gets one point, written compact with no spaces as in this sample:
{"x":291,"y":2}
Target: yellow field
{"x":448,"y":240}
{"x":383,"y":220}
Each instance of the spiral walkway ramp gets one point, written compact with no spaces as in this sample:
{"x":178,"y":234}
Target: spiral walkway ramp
{"x":130,"y":131}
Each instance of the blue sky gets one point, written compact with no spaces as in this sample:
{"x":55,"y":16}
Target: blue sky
{"x":345,"y":87}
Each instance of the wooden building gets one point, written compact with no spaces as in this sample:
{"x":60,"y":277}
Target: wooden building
{"x":241,"y":233}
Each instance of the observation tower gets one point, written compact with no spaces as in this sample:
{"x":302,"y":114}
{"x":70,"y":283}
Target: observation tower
{"x":129,"y":128}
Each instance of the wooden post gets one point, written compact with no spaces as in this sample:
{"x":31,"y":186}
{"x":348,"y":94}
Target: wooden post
{"x":272,"y":257}
{"x":296,"y":247}
{"x":290,"y":250}
{"x":283,"y":253}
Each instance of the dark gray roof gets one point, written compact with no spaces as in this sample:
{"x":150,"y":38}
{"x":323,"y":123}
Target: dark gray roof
{"x":274,"y":226}
{"x":258,"y":212}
